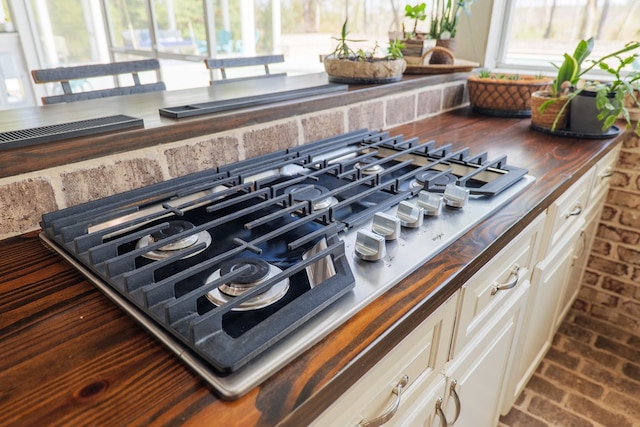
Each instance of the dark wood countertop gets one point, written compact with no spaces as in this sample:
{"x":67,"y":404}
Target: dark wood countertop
{"x":71,"y":357}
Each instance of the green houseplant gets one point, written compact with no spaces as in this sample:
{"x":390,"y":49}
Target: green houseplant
{"x":415,"y":41}
{"x":358,"y":66}
{"x":550,"y":109}
{"x":606,"y":101}
{"x":445,"y":17}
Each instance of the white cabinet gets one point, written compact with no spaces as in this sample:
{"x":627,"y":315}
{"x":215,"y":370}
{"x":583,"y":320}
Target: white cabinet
{"x":491,"y":287}
{"x":410,"y":372}
{"x":581,"y":255}
{"x":480,"y":369}
{"x":550,"y":277}
{"x":570,"y":225}
{"x":505,"y":317}
{"x":597,"y":196}
{"x":492,"y":307}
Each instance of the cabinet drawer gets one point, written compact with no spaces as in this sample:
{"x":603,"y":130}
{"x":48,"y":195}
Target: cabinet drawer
{"x":481,"y":299}
{"x":604,"y":170}
{"x":420,"y":356}
{"x":567,"y":208}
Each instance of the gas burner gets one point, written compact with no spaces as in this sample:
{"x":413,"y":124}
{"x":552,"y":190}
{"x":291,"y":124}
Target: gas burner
{"x":258,"y":272}
{"x":433,"y":180}
{"x":312,"y":192}
{"x":175,"y":227}
{"x":366,"y":168}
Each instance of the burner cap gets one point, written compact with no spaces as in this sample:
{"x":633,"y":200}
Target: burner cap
{"x":366,"y":167}
{"x":258,"y":270}
{"x":304,"y":192}
{"x":311,"y":192}
{"x":435,"y":179}
{"x":175,"y":226}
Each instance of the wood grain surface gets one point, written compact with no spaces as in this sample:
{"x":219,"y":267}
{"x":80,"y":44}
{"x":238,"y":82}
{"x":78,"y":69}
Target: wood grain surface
{"x":70,"y":357}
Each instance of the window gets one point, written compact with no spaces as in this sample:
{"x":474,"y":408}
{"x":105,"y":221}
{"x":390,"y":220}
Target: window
{"x":540,"y":31}
{"x":507,"y":34}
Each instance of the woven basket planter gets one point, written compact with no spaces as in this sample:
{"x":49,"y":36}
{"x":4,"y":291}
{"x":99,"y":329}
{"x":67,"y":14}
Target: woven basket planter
{"x":545,"y":120}
{"x":504,"y":97}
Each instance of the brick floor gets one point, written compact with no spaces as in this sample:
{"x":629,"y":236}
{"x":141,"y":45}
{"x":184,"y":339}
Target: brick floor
{"x":590,"y":377}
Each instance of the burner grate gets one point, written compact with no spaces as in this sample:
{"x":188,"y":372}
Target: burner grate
{"x":270,"y":207}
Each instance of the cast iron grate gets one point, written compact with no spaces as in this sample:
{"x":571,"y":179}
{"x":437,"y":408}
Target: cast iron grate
{"x":44,"y":134}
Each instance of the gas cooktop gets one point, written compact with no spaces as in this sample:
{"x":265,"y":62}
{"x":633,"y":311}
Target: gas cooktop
{"x":240,"y":269}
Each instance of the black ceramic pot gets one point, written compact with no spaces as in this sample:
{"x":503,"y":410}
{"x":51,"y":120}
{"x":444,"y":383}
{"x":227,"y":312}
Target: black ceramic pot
{"x":584,"y":114}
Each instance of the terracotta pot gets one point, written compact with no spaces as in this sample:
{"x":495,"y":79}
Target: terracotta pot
{"x":556,"y":112}
{"x":439,"y":57}
{"x":364,"y":72}
{"x":504,"y":97}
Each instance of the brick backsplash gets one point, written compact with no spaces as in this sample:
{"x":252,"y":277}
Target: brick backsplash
{"x":91,"y":183}
{"x":369,"y":115}
{"x":611,"y":289}
{"x":202,"y":155}
{"x":33,"y":194}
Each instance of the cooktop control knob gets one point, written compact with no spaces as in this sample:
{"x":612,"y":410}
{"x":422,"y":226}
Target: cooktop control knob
{"x":386,"y":225}
{"x":431,"y":203}
{"x":410,"y":215}
{"x":455,"y":196}
{"x":370,"y":246}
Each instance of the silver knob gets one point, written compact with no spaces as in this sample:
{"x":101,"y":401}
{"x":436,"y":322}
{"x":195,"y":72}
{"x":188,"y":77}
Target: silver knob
{"x":410,"y":215}
{"x":386,"y":225}
{"x":431,"y":203}
{"x":370,"y":246}
{"x":455,"y":196}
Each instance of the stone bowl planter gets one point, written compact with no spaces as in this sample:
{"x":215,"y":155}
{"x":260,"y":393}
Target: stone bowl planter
{"x":374,"y":71}
{"x":504,"y":96}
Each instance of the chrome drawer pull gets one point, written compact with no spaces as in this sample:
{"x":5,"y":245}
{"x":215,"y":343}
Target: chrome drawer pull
{"x":456,"y":399}
{"x":577,"y":210}
{"x":384,"y":418}
{"x":606,"y":174}
{"x":440,"y":412}
{"x":511,"y":283}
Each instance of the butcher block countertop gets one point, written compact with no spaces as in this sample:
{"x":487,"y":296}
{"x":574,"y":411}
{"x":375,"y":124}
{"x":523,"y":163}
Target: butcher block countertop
{"x":71,"y":357}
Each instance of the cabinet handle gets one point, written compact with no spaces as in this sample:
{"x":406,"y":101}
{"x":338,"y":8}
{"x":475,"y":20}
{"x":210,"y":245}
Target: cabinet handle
{"x":456,"y":400}
{"x":606,"y":174}
{"x":512,"y":281}
{"x":577,"y":210}
{"x":384,"y":418}
{"x":440,"y":412}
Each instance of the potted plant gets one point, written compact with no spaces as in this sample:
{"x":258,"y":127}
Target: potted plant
{"x":444,"y":25}
{"x":606,"y":101}
{"x":504,"y":95}
{"x":550,"y":109}
{"x":346,"y":65}
{"x":413,"y":40}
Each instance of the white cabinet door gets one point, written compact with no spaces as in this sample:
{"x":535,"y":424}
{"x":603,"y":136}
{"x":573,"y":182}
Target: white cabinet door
{"x":547,"y":289}
{"x":477,"y":375}
{"x":581,"y":256}
{"x":405,"y":374}
{"x":492,"y":286}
